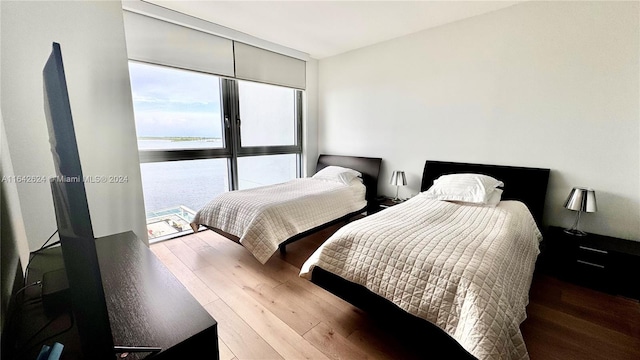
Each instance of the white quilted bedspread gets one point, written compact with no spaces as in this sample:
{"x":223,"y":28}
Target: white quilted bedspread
{"x":466,"y":269}
{"x":266,"y":216}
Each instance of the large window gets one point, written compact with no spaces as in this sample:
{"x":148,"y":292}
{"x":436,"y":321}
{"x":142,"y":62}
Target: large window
{"x":200,"y":135}
{"x":176,"y":109}
{"x":174,"y":189}
{"x":263,"y":170}
{"x":268,"y":115}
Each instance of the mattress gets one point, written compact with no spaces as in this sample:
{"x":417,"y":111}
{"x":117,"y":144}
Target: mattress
{"x":266,"y":216}
{"x":466,"y":269}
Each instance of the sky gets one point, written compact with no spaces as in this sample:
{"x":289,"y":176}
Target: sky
{"x":173,"y":102}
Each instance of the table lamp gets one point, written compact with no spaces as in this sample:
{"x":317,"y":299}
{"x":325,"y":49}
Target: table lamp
{"x":398,"y":179}
{"x":580,"y":200}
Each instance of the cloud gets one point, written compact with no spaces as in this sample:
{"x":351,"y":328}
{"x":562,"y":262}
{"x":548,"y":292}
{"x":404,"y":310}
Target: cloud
{"x":173,"y":102}
{"x":160,"y":84}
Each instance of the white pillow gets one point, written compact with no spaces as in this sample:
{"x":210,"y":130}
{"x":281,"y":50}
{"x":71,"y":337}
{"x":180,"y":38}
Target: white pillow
{"x":471,"y":188}
{"x":337,"y":174}
{"x":494,"y":198}
{"x":493,"y":201}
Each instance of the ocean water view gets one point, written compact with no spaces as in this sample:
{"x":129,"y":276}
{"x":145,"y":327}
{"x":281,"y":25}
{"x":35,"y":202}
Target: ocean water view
{"x":171,"y":186}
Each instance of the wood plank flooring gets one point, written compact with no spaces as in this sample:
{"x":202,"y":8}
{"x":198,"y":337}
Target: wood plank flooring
{"x":269,"y":312}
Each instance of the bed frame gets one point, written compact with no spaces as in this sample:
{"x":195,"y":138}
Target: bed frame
{"x":368,"y":167}
{"x":528,"y":185}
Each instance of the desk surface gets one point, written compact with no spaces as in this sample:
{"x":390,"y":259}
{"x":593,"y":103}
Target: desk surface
{"x":147,"y":305}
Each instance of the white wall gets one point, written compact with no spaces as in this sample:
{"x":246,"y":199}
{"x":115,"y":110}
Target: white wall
{"x":541,"y":84}
{"x":11,"y":203}
{"x":13,"y":238}
{"x":91,"y":34}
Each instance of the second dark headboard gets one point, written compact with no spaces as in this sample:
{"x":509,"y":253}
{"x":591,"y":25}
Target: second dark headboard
{"x":525,"y":184}
{"x":369,"y":167}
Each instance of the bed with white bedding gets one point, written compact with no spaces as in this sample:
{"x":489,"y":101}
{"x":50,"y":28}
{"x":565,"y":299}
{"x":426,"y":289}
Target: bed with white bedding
{"x":465,"y":268}
{"x":266,"y":218}
{"x":263,"y":217}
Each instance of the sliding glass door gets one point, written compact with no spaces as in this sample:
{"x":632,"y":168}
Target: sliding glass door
{"x":200,"y":135}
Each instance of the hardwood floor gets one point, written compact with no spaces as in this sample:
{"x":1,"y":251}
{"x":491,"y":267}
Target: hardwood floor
{"x":269,"y":312}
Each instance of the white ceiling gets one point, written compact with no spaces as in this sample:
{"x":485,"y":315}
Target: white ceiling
{"x":326,"y":28}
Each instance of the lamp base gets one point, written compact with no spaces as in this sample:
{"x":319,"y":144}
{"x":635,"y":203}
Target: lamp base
{"x":575,"y":232}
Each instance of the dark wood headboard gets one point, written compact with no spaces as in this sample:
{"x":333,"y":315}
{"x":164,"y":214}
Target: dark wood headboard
{"x":528,"y":185}
{"x":369,"y":167}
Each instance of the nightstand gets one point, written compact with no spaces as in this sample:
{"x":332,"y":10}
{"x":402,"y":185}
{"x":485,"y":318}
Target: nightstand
{"x":384,"y":202}
{"x":388,"y":202}
{"x":600,"y":262}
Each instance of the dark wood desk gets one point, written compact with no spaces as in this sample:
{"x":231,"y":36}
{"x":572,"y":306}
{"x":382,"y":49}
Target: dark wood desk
{"x":147,"y":306}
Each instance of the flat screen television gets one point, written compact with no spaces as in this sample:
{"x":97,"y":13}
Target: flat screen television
{"x":73,"y":219}
{"x":77,"y":241}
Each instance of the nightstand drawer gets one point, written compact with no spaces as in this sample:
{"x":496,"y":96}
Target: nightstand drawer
{"x":592,"y":250}
{"x":595,"y":265}
{"x":590,"y":256}
{"x":591,"y":274}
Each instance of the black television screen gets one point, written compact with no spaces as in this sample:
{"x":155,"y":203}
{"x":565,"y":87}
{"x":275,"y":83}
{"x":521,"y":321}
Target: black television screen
{"x":73,"y":219}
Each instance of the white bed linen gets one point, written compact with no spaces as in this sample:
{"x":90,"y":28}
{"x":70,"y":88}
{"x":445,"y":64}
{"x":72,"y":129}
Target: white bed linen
{"x":266,"y":216}
{"x":467,"y":269}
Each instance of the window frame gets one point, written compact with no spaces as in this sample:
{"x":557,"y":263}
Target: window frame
{"x":233,"y":112}
{"x":231,"y":122}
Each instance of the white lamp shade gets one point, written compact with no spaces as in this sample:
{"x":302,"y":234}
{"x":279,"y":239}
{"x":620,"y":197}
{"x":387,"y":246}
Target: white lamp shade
{"x":398,"y":178}
{"x":581,"y":199}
